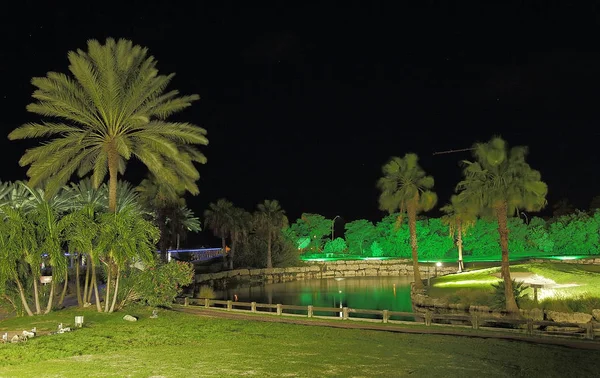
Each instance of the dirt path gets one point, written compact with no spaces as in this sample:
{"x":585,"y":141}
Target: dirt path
{"x":447,"y":331}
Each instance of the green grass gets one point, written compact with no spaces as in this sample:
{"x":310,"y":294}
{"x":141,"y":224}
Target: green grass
{"x":182,"y":345}
{"x":474,"y":287}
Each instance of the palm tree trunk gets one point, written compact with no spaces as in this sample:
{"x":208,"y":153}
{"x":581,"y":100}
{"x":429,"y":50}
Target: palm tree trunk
{"x":232,"y":252}
{"x":107,"y":292}
{"x":23,"y":299}
{"x":94,"y":285}
{"x":50,"y":297}
{"x":113,"y":164}
{"x":412,"y":226}
{"x":459,"y":244}
{"x":269,"y":260}
{"x":164,"y":240}
{"x":86,"y":297}
{"x":501,"y":213}
{"x":36,"y":296}
{"x":224,"y":249}
{"x":64,"y":290}
{"x":116,"y":289}
{"x":77,"y":283}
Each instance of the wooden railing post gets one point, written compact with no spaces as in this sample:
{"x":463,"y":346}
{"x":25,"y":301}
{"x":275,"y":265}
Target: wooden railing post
{"x":589,"y":331}
{"x":475,"y":321}
{"x":310,"y":311}
{"x":279,"y":309}
{"x":530,"y":326}
{"x":185,"y":301}
{"x":206,"y":302}
{"x":345,"y":313}
{"x":386,"y":316}
{"x":253,"y":306}
{"x":229,"y":305}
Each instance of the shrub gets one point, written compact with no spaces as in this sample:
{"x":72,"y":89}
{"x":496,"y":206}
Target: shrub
{"x":206,"y":292}
{"x":499,"y":298}
{"x":156,"y":286}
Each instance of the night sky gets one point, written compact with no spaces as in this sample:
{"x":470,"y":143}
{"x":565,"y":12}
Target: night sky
{"x":304,"y":104}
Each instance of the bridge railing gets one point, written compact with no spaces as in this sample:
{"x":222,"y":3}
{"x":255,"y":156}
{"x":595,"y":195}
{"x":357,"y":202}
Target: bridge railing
{"x":529,"y":327}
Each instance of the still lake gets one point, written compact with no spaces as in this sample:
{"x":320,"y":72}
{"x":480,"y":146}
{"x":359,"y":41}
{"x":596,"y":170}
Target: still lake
{"x":372,"y":293}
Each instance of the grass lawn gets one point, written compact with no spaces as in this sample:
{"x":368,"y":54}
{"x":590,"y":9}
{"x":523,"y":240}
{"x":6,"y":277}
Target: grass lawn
{"x":577,"y":286}
{"x":183,"y":345}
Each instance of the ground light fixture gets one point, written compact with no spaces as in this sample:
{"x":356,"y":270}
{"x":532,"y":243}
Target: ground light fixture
{"x":79,"y":321}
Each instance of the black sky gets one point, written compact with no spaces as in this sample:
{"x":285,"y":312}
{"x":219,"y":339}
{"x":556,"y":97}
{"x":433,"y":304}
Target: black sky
{"x":304,"y":103}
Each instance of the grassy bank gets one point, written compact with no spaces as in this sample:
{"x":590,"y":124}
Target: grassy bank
{"x":183,"y":345}
{"x":577,"y":286}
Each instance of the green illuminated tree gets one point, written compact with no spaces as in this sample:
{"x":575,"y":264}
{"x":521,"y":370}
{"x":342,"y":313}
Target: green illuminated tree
{"x":336,"y":246}
{"x":459,"y":218}
{"x":318,"y":227}
{"x":360,"y":233}
{"x":269,"y":220}
{"x":111,"y":108}
{"x":406,"y":187}
{"x":501,"y":181}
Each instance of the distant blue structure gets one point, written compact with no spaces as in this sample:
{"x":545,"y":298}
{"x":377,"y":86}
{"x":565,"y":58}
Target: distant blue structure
{"x":200,"y":254}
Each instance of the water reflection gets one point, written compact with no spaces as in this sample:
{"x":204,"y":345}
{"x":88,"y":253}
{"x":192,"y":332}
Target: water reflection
{"x":375,"y":293}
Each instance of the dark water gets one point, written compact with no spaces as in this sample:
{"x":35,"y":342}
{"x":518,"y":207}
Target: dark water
{"x":369,"y":293}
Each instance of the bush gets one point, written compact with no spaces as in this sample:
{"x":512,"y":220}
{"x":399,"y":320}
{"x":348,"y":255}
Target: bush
{"x":206,"y":292}
{"x":156,"y":286}
{"x":499,"y":298}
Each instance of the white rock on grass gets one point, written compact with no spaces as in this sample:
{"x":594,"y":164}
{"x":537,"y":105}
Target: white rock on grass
{"x":130,"y":318}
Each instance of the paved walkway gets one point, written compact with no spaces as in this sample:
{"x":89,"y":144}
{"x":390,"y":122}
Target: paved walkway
{"x":435,"y":330}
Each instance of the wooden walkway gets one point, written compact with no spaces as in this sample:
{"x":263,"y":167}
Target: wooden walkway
{"x":416,"y":329}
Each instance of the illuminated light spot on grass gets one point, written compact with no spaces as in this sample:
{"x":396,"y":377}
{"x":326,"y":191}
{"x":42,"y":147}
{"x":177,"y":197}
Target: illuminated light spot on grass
{"x":486,"y":281}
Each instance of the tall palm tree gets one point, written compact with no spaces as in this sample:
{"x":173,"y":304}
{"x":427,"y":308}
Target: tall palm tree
{"x":405,"y":187}
{"x":111,"y":108}
{"x":502,"y":181}
{"x":238,"y":230}
{"x":82,"y":233}
{"x":218,"y":218}
{"x":164,"y":199}
{"x":269,"y":220}
{"x":459,"y":218}
{"x":126,"y":238}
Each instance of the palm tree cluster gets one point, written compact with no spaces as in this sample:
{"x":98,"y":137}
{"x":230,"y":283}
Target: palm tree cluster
{"x":497,"y":184}
{"x":35,"y":229}
{"x":230,"y":222}
{"x":112,"y":106}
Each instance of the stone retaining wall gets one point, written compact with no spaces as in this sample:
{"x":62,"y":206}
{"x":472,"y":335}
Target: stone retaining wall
{"x":423,"y":303}
{"x":323,"y":270}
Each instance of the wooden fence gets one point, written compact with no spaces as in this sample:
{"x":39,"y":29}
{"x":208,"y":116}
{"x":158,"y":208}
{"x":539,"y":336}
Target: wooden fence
{"x":475,"y":321}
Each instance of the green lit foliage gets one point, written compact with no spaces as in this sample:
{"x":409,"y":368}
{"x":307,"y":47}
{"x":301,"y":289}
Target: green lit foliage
{"x":433,"y":239}
{"x":576,"y":234}
{"x":360,"y":234}
{"x":482,"y":240}
{"x":336,"y":246}
{"x":376,"y":250}
{"x":538,"y":237}
{"x":392,"y":239}
{"x":314,"y":227}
